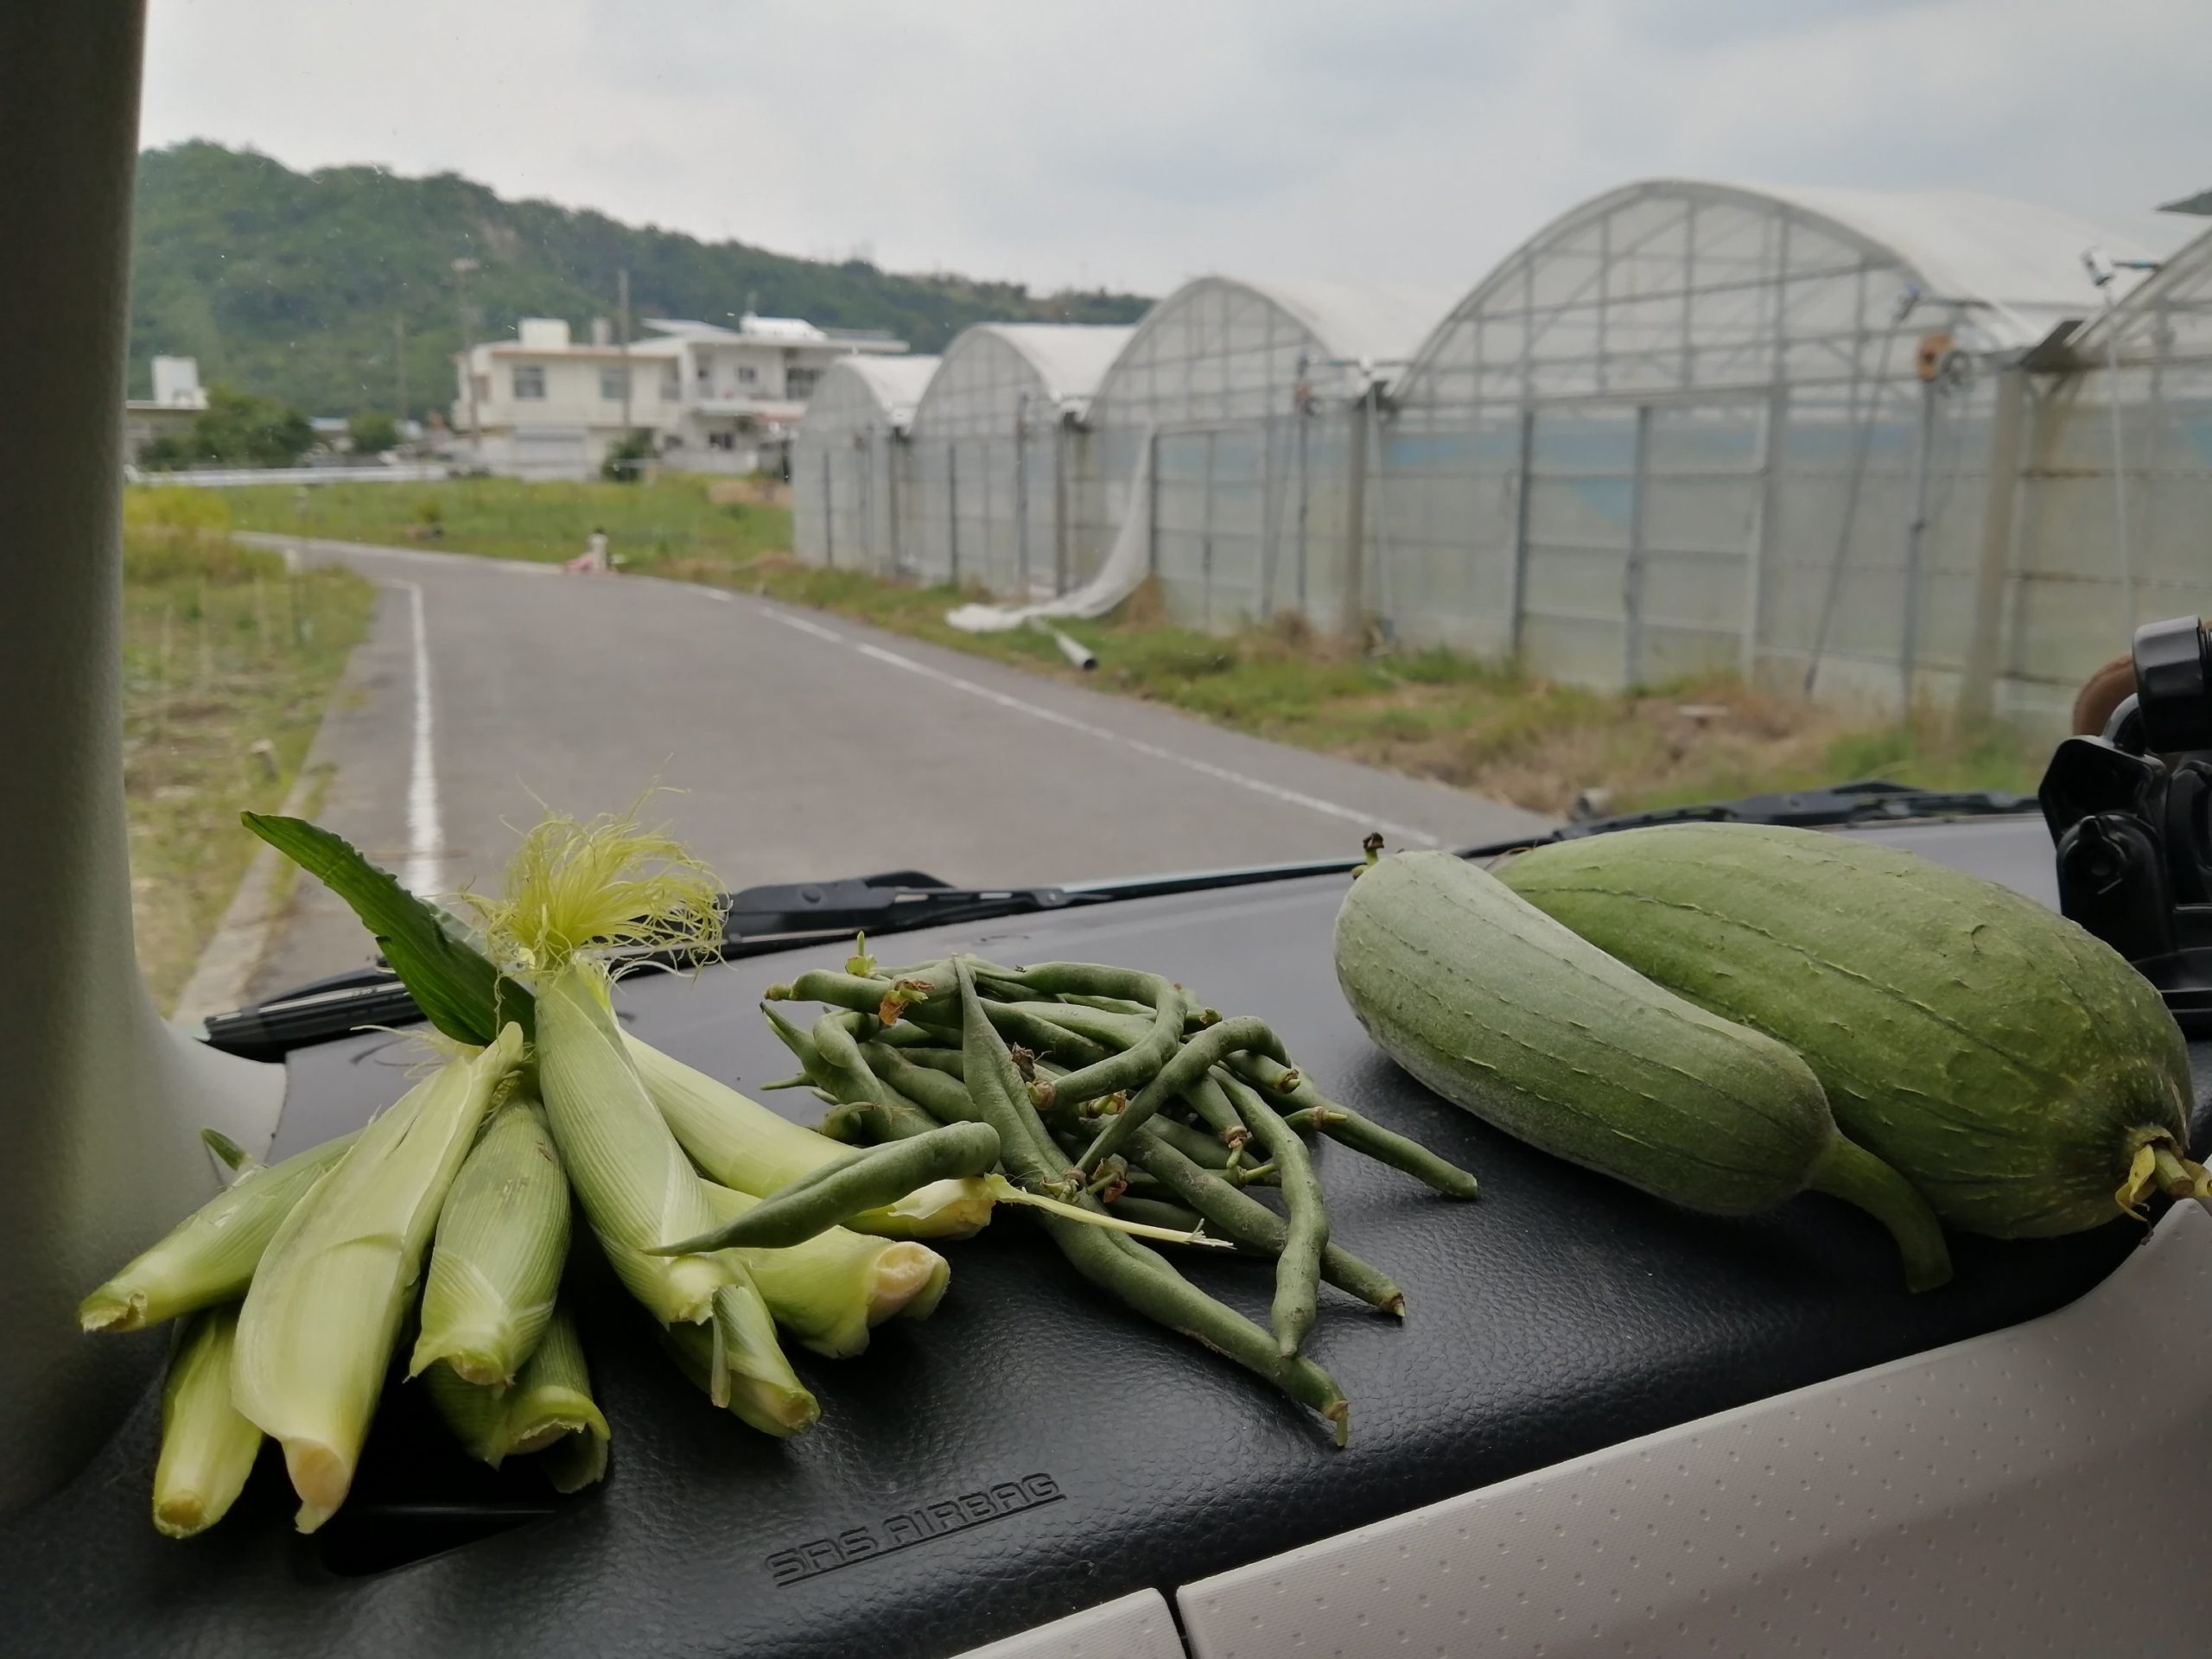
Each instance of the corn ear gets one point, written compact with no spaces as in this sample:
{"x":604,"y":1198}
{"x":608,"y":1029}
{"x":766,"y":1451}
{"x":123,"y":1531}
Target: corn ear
{"x":320,"y":1322}
{"x":502,"y":1238}
{"x":475,"y":1411}
{"x":746,"y":1147}
{"x":550,"y":1404}
{"x":735,"y":1358}
{"x":831,"y":1290}
{"x":209,"y":1257}
{"x":637,"y":1188}
{"x":207,"y":1447}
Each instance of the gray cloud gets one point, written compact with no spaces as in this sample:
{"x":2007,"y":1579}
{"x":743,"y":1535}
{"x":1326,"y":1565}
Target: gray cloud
{"x":1416,"y":140}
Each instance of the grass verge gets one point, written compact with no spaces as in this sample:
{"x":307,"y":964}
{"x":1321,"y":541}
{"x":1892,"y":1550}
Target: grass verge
{"x":674,"y":517}
{"x":1493,"y":729}
{"x":227,"y":662}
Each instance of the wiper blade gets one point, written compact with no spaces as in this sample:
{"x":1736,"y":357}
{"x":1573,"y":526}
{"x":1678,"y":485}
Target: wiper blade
{"x":1872,"y":800}
{"x":755,"y":921}
{"x":875,"y":904}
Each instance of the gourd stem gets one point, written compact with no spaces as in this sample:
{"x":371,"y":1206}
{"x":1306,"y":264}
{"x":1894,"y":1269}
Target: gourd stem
{"x":1849,"y":1172}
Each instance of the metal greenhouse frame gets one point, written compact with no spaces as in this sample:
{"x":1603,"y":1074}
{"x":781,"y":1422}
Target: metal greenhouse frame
{"x":1235,"y":421}
{"x":988,"y":453}
{"x":1692,"y":426}
{"x":846,"y":460}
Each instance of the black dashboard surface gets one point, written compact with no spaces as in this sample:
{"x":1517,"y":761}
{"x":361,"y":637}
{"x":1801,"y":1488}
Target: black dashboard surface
{"x":1031,"y":1450}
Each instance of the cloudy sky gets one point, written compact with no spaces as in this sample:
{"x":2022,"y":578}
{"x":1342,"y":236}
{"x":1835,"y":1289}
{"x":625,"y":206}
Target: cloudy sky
{"x":1133,"y":142}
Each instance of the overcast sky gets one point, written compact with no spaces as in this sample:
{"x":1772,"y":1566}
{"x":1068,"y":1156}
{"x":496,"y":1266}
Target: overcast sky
{"x":1133,"y":142}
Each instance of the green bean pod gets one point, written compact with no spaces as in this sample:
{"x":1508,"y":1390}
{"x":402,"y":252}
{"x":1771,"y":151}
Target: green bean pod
{"x":1363,"y":1135}
{"x":1243,"y":1219}
{"x":1306,"y":1234}
{"x":1183,"y":1067}
{"x":1147,"y":1283}
{"x":867,"y":1180}
{"x":1002,"y":1099}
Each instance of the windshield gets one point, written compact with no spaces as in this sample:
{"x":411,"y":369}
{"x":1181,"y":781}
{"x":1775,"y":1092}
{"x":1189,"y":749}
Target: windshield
{"x":1030,"y":451}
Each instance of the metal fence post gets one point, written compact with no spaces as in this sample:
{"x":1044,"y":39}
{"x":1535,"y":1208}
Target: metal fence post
{"x":1152,"y":504}
{"x":1021,"y":492}
{"x":952,"y":509}
{"x":1632,"y":566}
{"x":1355,"y":620}
{"x":1524,"y":478}
{"x":1762,"y":535}
{"x":829,"y":525}
{"x":1978,"y":682}
{"x":1060,"y":506}
{"x":1206,"y":540}
{"x":1915,"y":542}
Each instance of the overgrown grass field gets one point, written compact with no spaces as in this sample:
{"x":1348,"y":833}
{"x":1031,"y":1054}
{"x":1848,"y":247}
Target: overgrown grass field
{"x":228,"y":661}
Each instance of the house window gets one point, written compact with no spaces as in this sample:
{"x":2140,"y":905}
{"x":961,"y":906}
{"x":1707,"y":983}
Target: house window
{"x":747,"y":374}
{"x":799,"y":382}
{"x":613,"y":384}
{"x":530,"y":381}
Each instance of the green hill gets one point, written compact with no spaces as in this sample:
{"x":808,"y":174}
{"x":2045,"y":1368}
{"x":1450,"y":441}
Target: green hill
{"x":297,"y":284}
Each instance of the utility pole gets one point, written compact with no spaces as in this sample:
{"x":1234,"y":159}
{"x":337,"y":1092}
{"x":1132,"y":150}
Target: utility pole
{"x":622,"y":334}
{"x":462,"y":269}
{"x":399,"y":365}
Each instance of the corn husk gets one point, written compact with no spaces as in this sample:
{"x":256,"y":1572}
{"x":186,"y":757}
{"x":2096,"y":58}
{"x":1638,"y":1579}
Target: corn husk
{"x":637,"y":1188}
{"x":502,"y":1238}
{"x":207,"y":1446}
{"x":209,"y":1257}
{"x":735,"y":1358}
{"x":317,"y":1331}
{"x":833,"y":1288}
{"x":550,"y":1404}
{"x":475,"y":1411}
{"x":747,"y":1148}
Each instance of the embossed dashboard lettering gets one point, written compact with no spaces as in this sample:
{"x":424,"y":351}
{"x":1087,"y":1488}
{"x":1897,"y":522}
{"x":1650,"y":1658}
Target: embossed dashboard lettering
{"x":907,"y":1528}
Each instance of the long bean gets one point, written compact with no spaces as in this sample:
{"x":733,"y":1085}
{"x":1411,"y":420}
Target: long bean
{"x":1243,"y":1219}
{"x":1132,"y":1066}
{"x":1148,"y":1282}
{"x":1025,"y":1146}
{"x":1158,"y":1212}
{"x":893,"y":1117}
{"x":1318,"y":1111}
{"x":945,"y":1098}
{"x":1218,"y":1113}
{"x":1298,"y":1270}
{"x":1183,"y":1067}
{"x":880,"y":1176}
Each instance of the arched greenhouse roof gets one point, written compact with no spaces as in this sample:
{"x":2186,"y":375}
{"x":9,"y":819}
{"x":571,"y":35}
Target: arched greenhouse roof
{"x":1059,"y":363}
{"x":1230,"y":347}
{"x":856,"y":390}
{"x":2168,"y":316}
{"x":2006,"y":271}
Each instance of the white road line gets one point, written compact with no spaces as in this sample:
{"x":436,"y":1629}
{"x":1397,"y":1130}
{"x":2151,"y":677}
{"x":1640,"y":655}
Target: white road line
{"x":426,"y":836}
{"x":1403,"y":833}
{"x":803,"y":626}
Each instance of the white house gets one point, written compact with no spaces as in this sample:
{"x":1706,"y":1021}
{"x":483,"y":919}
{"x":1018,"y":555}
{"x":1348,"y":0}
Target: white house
{"x":709,"y":399}
{"x":176,"y":403}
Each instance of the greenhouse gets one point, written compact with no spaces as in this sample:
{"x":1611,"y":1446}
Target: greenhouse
{"x":2122,"y":460}
{"x":1691,"y":427}
{"x":1232,"y":427}
{"x":987,"y":456}
{"x":847,"y":459}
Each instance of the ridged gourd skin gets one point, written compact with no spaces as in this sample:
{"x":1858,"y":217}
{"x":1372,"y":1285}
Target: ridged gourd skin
{"x":1501,"y":1010}
{"x":2004,"y":1060}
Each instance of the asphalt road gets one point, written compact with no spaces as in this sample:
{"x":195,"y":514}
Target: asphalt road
{"x":805,"y":747}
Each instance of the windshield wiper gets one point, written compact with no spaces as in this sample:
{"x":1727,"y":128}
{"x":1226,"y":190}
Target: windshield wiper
{"x":777,"y":917}
{"x":1872,"y":800}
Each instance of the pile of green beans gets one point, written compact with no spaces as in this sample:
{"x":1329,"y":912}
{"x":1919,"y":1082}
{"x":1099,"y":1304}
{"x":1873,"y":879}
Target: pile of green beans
{"x":1117,"y":1093}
